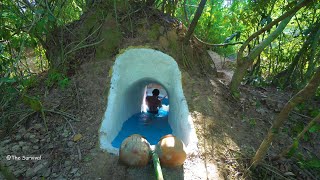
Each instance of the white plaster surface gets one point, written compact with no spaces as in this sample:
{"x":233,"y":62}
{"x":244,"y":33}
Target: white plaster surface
{"x":132,"y":71}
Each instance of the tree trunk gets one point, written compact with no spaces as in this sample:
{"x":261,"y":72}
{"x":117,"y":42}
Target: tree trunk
{"x":307,"y":92}
{"x":239,"y":73}
{"x":194,"y":22}
{"x":248,"y":60}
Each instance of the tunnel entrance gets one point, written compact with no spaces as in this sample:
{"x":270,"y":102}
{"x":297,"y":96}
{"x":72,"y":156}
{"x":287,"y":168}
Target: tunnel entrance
{"x":135,"y":73}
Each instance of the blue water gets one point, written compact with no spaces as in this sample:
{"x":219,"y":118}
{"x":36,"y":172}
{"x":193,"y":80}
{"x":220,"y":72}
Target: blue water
{"x":152,"y":127}
{"x":165,"y":101}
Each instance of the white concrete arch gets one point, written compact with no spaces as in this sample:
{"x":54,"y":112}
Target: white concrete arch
{"x":132,"y":71}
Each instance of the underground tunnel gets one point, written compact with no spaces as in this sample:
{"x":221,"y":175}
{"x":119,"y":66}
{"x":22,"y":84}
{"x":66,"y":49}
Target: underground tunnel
{"x":136,"y":72}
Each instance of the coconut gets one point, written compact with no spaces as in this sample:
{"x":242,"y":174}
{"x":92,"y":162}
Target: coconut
{"x":135,"y":151}
{"x":171,"y":151}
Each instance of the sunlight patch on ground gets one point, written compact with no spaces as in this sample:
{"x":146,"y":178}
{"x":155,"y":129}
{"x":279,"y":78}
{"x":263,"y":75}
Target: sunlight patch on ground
{"x":215,"y":144}
{"x":198,"y":169}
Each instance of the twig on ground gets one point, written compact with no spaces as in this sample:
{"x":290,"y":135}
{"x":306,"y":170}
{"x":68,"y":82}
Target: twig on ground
{"x":62,"y":113}
{"x":77,"y":95}
{"x":216,"y":45}
{"x":298,"y":169}
{"x":27,"y":115}
{"x":44,"y":119}
{"x":310,"y":174}
{"x":273,"y":170}
{"x":74,"y":133}
{"x":302,"y":115}
{"x":129,"y":14}
{"x":79,"y":152}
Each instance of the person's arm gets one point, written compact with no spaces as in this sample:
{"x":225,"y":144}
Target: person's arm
{"x":162,"y":98}
{"x":160,"y":104}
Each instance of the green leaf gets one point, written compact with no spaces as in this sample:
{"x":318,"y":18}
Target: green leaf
{"x":314,"y":112}
{"x":51,"y":18}
{"x":88,"y":158}
{"x":39,"y":11}
{"x":252,"y":122}
{"x":294,"y":148}
{"x":315,"y":128}
{"x":313,"y":163}
{"x":7,"y":80}
{"x":306,"y":137}
{"x":4,"y":14}
{"x":33,"y":103}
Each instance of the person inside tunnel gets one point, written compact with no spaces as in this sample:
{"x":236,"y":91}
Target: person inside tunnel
{"x":153,"y":102}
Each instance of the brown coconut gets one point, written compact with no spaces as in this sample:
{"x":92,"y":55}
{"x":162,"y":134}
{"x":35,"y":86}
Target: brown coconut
{"x":171,"y":151}
{"x":135,"y":151}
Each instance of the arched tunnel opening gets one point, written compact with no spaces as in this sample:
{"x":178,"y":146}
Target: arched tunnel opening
{"x":149,"y":125}
{"x":136,"y":73}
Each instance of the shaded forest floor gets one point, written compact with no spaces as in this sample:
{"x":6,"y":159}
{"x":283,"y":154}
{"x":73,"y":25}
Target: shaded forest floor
{"x":229,"y":132}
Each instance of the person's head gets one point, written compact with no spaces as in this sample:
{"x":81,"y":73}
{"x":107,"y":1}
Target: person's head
{"x":156,"y":92}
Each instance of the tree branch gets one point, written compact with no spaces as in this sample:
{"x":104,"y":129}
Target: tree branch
{"x":216,"y":45}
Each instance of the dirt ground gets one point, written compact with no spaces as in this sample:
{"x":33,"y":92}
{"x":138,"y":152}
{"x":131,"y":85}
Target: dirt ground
{"x":229,"y":132}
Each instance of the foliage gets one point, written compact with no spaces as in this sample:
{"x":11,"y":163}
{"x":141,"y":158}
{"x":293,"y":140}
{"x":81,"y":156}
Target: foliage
{"x":220,"y":22}
{"x":309,"y":162}
{"x":25,"y":27}
{"x":55,"y":77}
{"x":315,"y":128}
{"x":214,"y":24}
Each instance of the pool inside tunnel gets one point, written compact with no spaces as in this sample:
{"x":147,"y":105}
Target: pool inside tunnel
{"x":133,"y":71}
{"x":151,"y":126}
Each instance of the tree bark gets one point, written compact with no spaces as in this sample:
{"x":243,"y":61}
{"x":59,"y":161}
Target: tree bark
{"x":307,"y":92}
{"x":194,"y":22}
{"x":245,"y":62}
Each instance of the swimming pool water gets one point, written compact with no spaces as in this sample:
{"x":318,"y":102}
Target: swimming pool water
{"x":152,"y":127}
